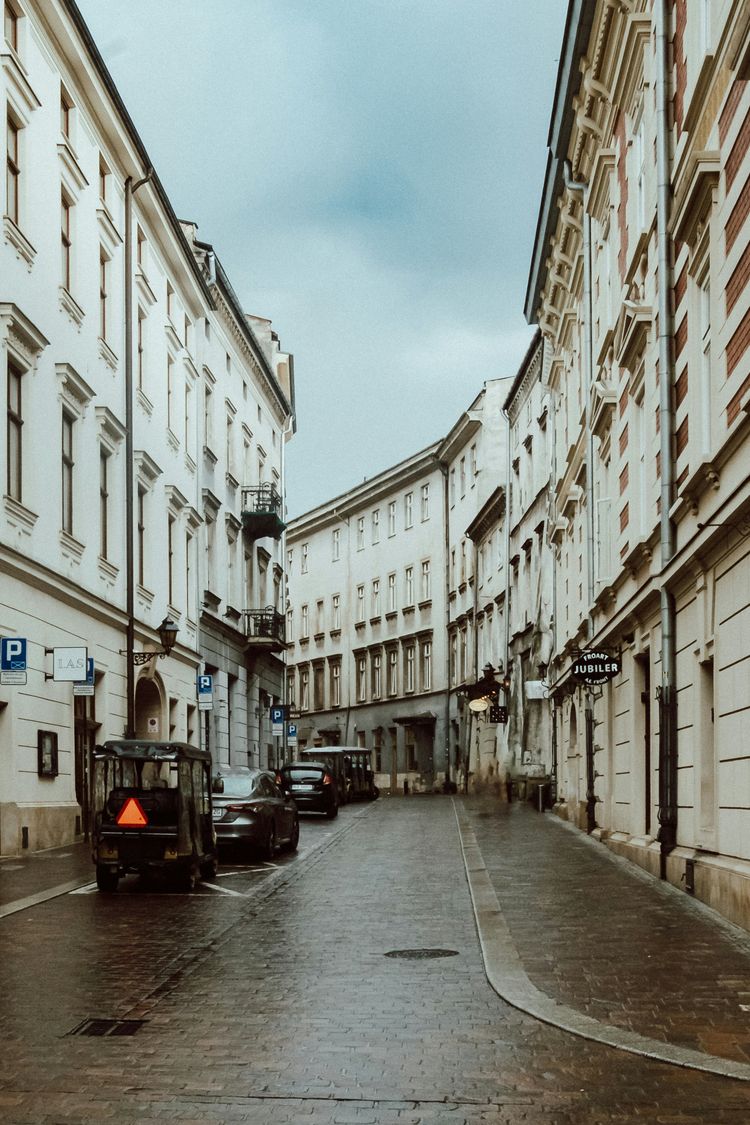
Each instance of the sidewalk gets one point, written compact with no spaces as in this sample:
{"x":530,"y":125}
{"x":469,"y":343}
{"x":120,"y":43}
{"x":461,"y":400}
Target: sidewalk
{"x":597,"y":942}
{"x":36,"y":876}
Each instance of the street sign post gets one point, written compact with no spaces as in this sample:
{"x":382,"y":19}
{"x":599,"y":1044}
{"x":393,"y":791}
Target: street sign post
{"x":69,"y":664}
{"x":205,"y":691}
{"x":13,"y":660}
{"x":277,"y":713}
{"x":291,"y":736}
{"x":86,"y":687}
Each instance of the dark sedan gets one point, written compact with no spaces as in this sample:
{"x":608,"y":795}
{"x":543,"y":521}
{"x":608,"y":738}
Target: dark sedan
{"x":250,"y":810}
{"x":312,"y":785}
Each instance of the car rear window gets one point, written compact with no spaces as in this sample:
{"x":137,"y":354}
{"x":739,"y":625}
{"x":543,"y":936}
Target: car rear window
{"x":237,"y":786}
{"x":307,"y":773}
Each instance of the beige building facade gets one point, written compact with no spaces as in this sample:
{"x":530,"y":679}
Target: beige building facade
{"x":639,"y":285}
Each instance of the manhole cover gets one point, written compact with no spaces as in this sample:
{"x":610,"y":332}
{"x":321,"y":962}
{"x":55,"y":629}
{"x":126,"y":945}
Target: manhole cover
{"x":107,"y":1027}
{"x":421,"y":954}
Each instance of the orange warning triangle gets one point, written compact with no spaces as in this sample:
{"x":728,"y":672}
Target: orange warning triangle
{"x":131,"y":815}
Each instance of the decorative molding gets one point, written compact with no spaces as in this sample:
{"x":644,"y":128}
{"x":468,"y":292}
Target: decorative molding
{"x":107,"y":354}
{"x":73,"y":177}
{"x":22,"y":336}
{"x":146,"y":468}
{"x":20,"y":94}
{"x":108,"y":233}
{"x":71,"y":547}
{"x":69,"y":305}
{"x":18,"y":240}
{"x":111,"y":430}
{"x":73,"y":388}
{"x":18,"y":515}
{"x":692,"y":205}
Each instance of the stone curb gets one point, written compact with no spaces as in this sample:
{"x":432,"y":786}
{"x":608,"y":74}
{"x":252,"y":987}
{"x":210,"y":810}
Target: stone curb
{"x":507,"y":976}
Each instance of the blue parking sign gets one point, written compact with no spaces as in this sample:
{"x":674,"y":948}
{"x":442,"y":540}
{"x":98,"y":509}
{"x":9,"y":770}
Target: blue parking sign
{"x":13,"y":654}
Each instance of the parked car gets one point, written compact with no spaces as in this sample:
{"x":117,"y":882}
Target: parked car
{"x":352,"y":768}
{"x":312,"y":785}
{"x":251,"y":811}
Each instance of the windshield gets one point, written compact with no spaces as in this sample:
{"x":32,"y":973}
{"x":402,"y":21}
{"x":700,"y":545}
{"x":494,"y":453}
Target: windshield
{"x":304,"y":773}
{"x":235,"y":785}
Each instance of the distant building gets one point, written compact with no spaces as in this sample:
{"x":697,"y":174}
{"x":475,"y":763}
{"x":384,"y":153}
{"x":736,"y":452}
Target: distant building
{"x":382,"y":606}
{"x":141,"y":408}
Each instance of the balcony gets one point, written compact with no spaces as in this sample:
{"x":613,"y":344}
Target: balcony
{"x":261,"y":512}
{"x":264,"y":629}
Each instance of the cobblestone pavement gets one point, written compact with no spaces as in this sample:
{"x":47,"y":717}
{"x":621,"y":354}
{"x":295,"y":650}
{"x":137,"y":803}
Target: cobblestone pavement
{"x":283,"y":1007}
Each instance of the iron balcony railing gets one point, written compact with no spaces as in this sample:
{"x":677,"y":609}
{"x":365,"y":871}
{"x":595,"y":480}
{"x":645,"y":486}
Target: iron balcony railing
{"x":262,"y":508}
{"x":265,"y":625}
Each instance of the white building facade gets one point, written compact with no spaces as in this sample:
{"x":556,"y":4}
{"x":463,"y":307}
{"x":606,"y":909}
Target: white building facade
{"x":115,"y":336}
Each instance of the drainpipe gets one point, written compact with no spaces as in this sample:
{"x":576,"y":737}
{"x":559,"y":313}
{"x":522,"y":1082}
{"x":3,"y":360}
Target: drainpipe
{"x":447,"y":580}
{"x":581,"y":187}
{"x":506,"y":563}
{"x":667,"y":814}
{"x":130,"y":190}
{"x":288,"y":424}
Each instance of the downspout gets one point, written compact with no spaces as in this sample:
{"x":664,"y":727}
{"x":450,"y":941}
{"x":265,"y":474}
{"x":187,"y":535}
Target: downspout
{"x":506,"y":603}
{"x":447,"y":581}
{"x":130,"y":190}
{"x":288,"y":424}
{"x":667,"y":814}
{"x":581,"y":187}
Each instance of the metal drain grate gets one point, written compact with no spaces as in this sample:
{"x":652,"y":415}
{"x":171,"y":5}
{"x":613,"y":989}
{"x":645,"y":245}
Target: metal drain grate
{"x":107,"y":1027}
{"x":421,"y":954}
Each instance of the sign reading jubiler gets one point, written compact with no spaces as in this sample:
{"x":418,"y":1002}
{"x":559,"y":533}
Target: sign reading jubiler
{"x":596,"y":667}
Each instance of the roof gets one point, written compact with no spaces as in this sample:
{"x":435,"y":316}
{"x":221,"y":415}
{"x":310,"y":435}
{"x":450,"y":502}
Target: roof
{"x":152,"y":751}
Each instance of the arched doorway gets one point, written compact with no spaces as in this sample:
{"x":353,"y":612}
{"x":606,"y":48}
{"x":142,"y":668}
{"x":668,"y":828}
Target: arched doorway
{"x":149,"y":710}
{"x":572,"y":764}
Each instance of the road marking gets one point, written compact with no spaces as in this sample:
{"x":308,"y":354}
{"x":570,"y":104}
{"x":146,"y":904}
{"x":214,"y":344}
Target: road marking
{"x":224,"y":890}
{"x":42,"y":896}
{"x":89,"y":889}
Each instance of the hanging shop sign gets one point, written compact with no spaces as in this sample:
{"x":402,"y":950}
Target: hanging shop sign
{"x":596,"y":667}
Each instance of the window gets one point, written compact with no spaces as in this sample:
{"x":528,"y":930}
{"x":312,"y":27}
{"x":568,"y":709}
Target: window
{"x":360,"y":603}
{"x":14,"y":434}
{"x":170,"y":301}
{"x":453,"y":486}
{"x":170,"y":391}
{"x":207,"y":414}
{"x":10,"y":21}
{"x":103,"y":280}
{"x":289,"y":620}
{"x":453,"y":658}
{"x":336,"y":611}
{"x":103,"y":186}
{"x":391,"y":593}
{"x":67,"y":466}
{"x":66,"y":107}
{"x":304,"y":623}
{"x":140,"y":347}
{"x":408,"y":509}
{"x":640,"y":167}
{"x":426,"y":582}
{"x":463,"y":560}
{"x":336,"y":543}
{"x":376,"y":597}
{"x":304,"y":689}
{"x":318,"y":687}
{"x":392,"y":517}
{"x":392,"y":686}
{"x":141,"y":532}
{"x":704,"y":296}
{"x":65,"y":240}
{"x":188,"y":573}
{"x":361,"y":679}
{"x":140,"y":252}
{"x":377,"y":663}
{"x":462,"y":472}
{"x":229,"y":445}
{"x":425,"y":502}
{"x":103,"y":503}
{"x":409,"y":667}
{"x":376,"y":526}
{"x":360,"y":533}
{"x":463,"y":653}
{"x":291,"y":689}
{"x":170,"y":559}
{"x":426,"y":666}
{"x":289,"y":560}
{"x":304,"y":552}
{"x":319,"y":615}
{"x":473,"y":458}
{"x":409,"y":586}
{"x":13,"y":171}
{"x":336,"y":684}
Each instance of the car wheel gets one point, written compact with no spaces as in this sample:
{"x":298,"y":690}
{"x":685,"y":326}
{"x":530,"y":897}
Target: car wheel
{"x":208,"y":870}
{"x":294,"y":838}
{"x":107,"y":878}
{"x":186,"y":878}
{"x":268,"y":851}
{"x":332,"y":812}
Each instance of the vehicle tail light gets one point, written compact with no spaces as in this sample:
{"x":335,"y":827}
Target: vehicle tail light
{"x":245,"y":807}
{"x":279,"y":780}
{"x":326,"y":779}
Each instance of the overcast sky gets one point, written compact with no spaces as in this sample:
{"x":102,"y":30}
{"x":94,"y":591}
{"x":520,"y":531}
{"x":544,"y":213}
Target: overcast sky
{"x":369,"y":172}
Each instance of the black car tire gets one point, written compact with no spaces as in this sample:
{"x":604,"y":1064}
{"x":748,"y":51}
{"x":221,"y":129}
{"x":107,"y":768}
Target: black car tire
{"x":186,"y":877}
{"x":268,"y":851}
{"x":294,"y":838}
{"x":332,"y":812}
{"x":208,"y":870}
{"x":107,"y":878}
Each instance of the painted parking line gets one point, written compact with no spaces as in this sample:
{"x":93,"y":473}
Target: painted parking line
{"x":224,"y":890}
{"x":42,"y":896}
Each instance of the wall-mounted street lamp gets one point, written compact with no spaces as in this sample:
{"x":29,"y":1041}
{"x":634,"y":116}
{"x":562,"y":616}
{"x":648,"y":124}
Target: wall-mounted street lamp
{"x":168,"y":637}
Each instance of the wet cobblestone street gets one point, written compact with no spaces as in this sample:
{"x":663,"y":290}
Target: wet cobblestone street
{"x":281,"y":1006}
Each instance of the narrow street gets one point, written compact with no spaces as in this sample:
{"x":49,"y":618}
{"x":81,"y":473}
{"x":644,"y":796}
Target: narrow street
{"x":277,"y":1001}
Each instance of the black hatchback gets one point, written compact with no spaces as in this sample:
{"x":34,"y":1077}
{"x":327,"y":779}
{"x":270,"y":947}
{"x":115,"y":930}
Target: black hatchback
{"x":312,"y":785}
